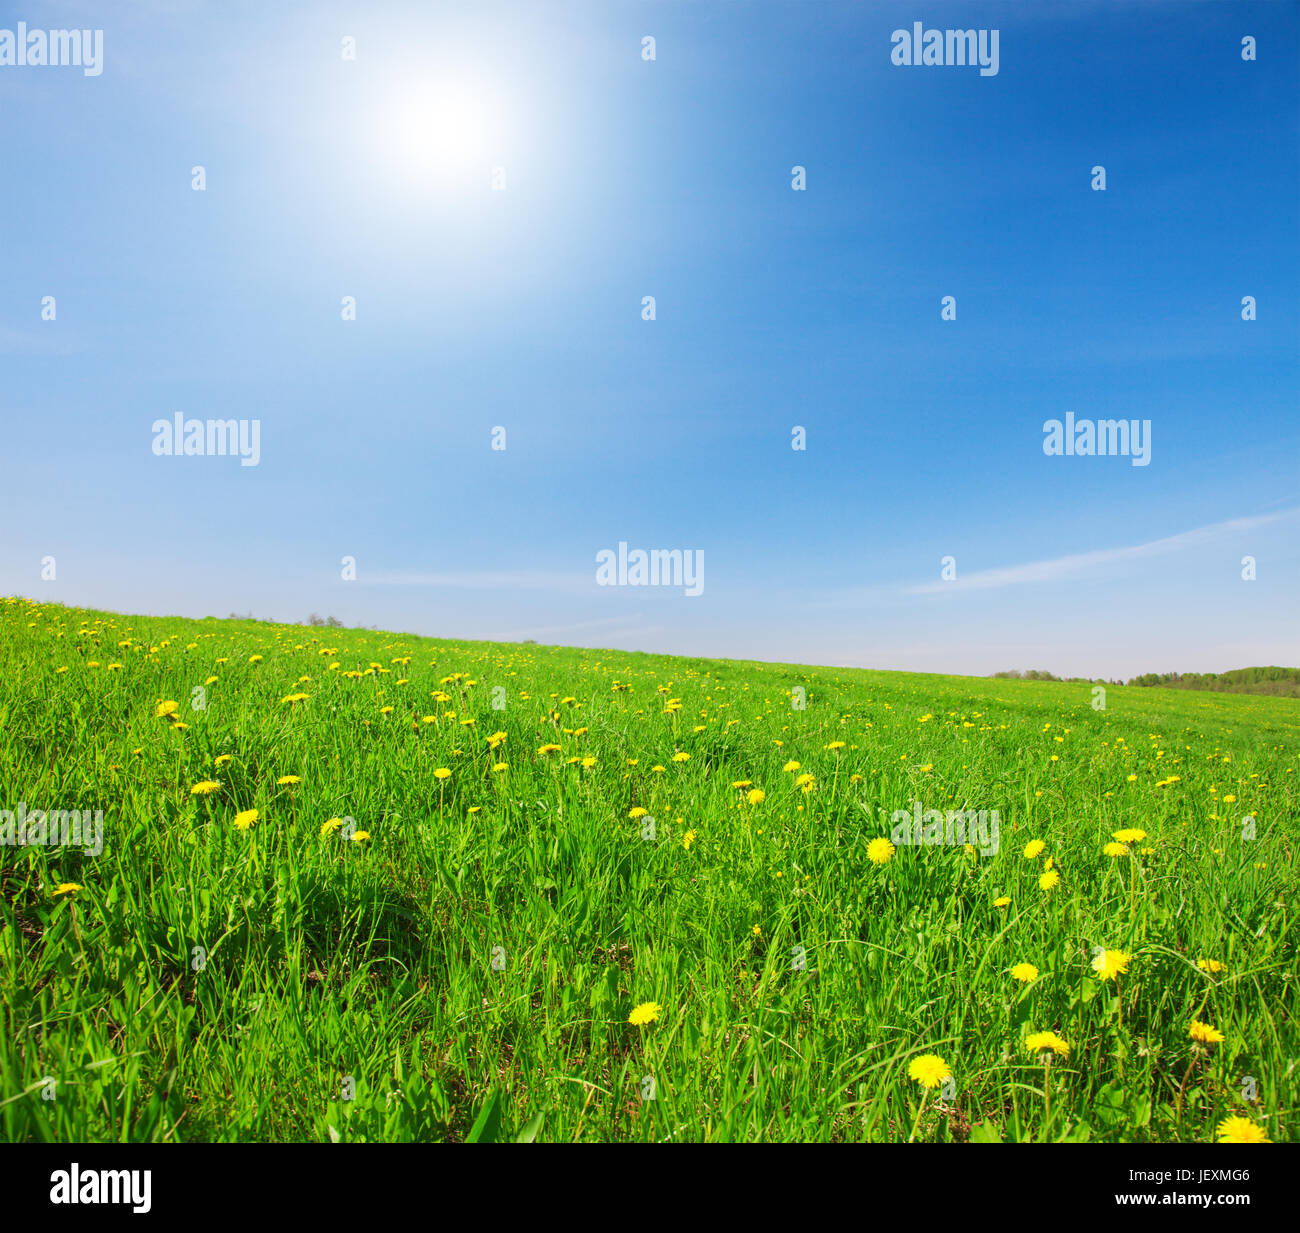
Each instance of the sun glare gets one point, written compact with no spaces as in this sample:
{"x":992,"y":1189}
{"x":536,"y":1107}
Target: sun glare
{"x":436,"y":129}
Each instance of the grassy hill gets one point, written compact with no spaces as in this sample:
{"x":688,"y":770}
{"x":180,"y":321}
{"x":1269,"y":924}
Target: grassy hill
{"x":357,"y":885}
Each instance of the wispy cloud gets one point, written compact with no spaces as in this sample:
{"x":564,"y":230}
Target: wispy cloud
{"x":538,"y":633}
{"x":1081,"y":562}
{"x":483,"y":580}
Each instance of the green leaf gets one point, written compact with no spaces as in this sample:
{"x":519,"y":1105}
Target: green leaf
{"x":529,"y":1132}
{"x":488,"y":1121}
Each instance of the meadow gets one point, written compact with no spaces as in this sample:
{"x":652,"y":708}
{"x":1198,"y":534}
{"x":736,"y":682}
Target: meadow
{"x":367,"y":886}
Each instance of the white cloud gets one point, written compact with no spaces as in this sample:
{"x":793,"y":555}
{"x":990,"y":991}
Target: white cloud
{"x":1081,"y":562}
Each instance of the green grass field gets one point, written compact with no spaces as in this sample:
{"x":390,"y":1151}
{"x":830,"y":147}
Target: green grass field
{"x":441,"y":926}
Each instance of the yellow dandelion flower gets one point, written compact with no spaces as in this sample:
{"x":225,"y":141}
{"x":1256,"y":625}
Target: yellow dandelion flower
{"x":646,"y":1012}
{"x":1241,"y":1130}
{"x":929,"y":1070}
{"x":880,"y":851}
{"x":1037,"y":1042}
{"x":1111,"y":963}
{"x":1204,"y":1034}
{"x":1024,"y":972}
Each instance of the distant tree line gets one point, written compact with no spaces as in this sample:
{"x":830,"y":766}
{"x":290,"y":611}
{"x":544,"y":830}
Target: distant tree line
{"x":1279,"y":682}
{"x":1038,"y":674}
{"x":315,"y":619}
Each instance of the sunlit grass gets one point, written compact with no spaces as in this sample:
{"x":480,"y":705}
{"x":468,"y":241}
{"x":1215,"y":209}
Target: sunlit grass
{"x":390,"y":952}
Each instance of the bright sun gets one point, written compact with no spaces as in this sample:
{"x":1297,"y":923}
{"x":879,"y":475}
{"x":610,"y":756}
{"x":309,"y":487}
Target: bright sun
{"x":440,"y":128}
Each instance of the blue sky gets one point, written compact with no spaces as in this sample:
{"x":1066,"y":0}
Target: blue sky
{"x":522,"y":308}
